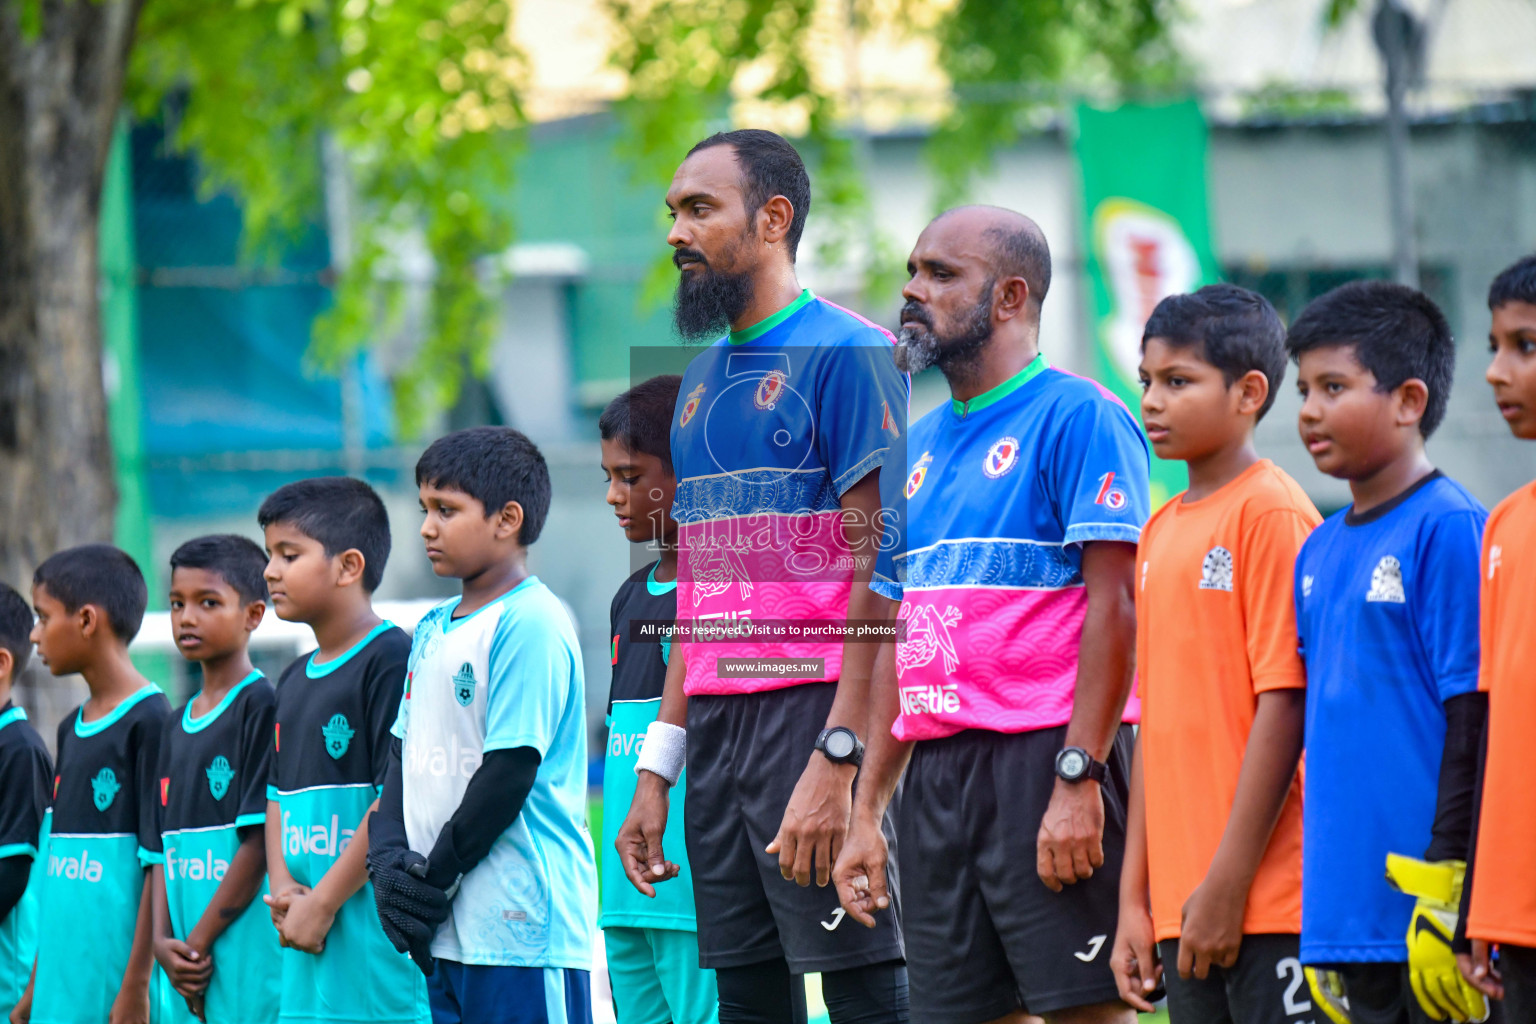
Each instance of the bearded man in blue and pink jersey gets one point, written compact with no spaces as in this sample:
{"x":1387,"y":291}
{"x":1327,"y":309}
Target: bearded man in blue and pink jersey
{"x":1008,"y":692}
{"x":781,"y":429}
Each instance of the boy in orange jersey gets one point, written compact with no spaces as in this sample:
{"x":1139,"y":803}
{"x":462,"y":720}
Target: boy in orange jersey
{"x":1212,"y":880}
{"x":1503,"y":898}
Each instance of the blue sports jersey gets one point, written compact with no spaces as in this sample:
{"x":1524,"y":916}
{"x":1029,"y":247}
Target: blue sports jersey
{"x":773,"y":425}
{"x":1001,"y":494}
{"x":506,"y":675}
{"x":1386,"y":609}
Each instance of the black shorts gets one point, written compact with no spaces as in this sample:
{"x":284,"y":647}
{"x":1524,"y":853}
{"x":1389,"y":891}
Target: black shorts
{"x":984,"y":935}
{"x":1265,"y":986}
{"x":746,"y":752}
{"x":1379,"y":993}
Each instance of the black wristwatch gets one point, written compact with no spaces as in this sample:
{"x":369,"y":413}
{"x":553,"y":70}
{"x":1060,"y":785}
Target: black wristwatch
{"x":1074,"y":764}
{"x":841,"y":746}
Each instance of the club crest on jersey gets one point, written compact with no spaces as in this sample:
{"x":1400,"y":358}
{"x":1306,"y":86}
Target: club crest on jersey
{"x":219,"y":776}
{"x":165,"y":791}
{"x":1110,"y":496}
{"x":1387,"y":582}
{"x":338,"y":735}
{"x":769,"y":389}
{"x":1001,"y":457}
{"x":919,"y":473}
{"x":691,"y":406}
{"x":464,"y":685}
{"x":1216,"y":570}
{"x":104,"y":788}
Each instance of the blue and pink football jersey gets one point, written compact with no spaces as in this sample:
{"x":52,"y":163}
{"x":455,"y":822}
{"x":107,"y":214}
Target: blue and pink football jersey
{"x":1001,"y":494}
{"x":773,"y":425}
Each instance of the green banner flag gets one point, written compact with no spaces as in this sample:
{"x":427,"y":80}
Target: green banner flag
{"x":1148,"y":235}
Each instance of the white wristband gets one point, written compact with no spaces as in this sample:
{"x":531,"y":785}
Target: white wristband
{"x":663,"y":751}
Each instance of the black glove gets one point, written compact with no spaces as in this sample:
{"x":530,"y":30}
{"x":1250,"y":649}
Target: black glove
{"x":410,"y":909}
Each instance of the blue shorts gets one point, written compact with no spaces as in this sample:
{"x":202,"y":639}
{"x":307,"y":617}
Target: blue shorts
{"x":489,"y":994}
{"x":656,"y":977}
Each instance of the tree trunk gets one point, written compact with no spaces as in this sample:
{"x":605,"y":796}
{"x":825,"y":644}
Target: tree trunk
{"x":61,"y":81}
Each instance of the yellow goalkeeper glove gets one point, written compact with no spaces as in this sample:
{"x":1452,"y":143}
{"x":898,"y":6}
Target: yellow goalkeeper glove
{"x":1437,"y":983}
{"x":1328,"y":993}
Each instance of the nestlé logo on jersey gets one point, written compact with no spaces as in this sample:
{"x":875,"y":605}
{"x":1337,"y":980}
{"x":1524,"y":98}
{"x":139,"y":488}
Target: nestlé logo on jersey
{"x":1001,"y":457}
{"x":464,"y":685}
{"x":338,"y":733}
{"x":104,"y":788}
{"x":220,"y":774}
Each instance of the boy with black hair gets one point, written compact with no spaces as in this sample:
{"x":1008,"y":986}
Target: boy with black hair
{"x":652,"y":944}
{"x":327,"y":540}
{"x":1502,"y":908}
{"x":211,"y":934}
{"x":26,"y":774}
{"x":1386,"y":612}
{"x":1212,"y":875}
{"x":96,"y":895}
{"x":481,"y":859}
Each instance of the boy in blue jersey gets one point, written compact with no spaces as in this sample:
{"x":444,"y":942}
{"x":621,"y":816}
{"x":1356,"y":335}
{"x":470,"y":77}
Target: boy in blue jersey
{"x":26,"y":775}
{"x":482,"y":863}
{"x":94,"y":961}
{"x":327,"y":540}
{"x":652,"y":943}
{"x":1386,"y":611}
{"x":211,"y":934}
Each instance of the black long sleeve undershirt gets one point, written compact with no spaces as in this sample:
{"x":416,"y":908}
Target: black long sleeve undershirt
{"x":1455,"y":804}
{"x":1459,"y":942}
{"x":14,"y":872}
{"x":492,"y":801}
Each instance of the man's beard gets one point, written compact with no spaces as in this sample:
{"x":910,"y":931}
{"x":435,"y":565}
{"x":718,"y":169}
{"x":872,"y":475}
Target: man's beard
{"x":708,"y":301}
{"x":919,"y":346}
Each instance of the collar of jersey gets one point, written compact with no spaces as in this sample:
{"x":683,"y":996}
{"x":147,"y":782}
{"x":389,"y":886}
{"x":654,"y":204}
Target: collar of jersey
{"x":450,"y":623}
{"x":657,"y":589}
{"x":13,"y":715}
{"x":84,"y":728}
{"x":762,"y":327}
{"x":1036,"y":366}
{"x":315,"y":669}
{"x":191,"y":724}
{"x":1386,"y":508}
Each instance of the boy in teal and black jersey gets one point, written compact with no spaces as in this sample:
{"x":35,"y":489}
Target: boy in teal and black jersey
{"x":327,"y":541}
{"x":211,"y":934}
{"x":26,"y":777}
{"x":482,"y":864}
{"x":94,"y":961}
{"x":652,"y":944}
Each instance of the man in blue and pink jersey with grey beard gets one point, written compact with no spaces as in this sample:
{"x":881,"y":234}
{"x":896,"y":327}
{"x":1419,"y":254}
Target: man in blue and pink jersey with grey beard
{"x":1008,"y":691}
{"x":780,"y":432}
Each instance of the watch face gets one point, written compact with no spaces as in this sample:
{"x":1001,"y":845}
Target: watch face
{"x":839,"y":743}
{"x":1073,"y":763}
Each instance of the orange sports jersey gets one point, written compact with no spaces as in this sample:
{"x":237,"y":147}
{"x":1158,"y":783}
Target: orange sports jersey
{"x":1503,"y":897}
{"x":1216,"y":626}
